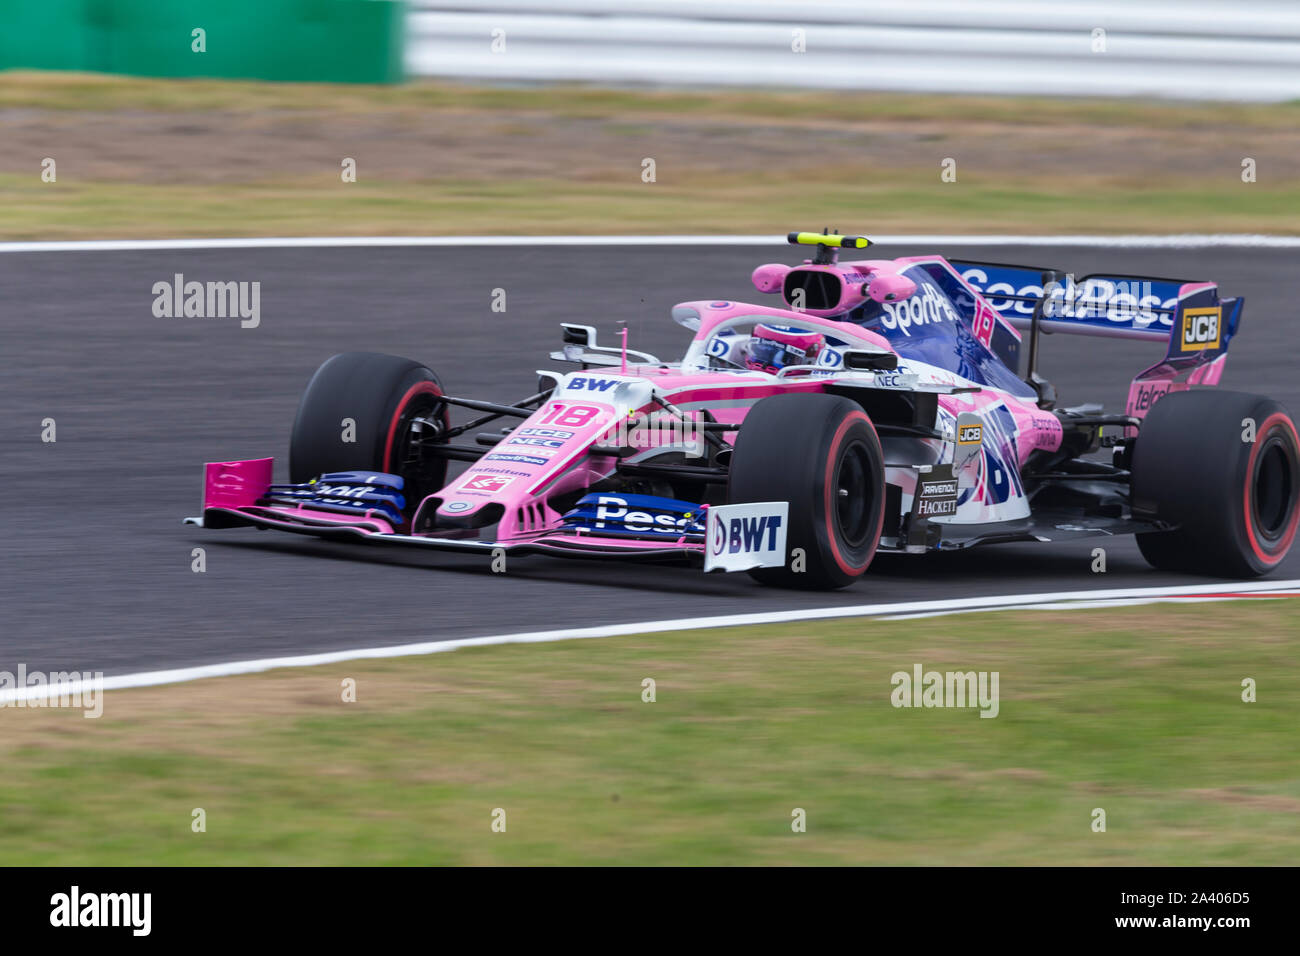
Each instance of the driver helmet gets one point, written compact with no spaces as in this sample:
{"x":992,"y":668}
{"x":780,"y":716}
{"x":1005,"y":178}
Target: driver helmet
{"x":773,"y":347}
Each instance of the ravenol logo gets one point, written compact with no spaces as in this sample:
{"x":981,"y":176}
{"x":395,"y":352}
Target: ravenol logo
{"x":1202,"y":329}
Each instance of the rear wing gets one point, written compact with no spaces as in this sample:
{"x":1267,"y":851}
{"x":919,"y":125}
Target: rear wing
{"x":1189,"y":318}
{"x":1114,"y":306}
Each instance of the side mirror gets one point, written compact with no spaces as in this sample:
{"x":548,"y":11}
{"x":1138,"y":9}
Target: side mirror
{"x":770,"y":277}
{"x":575,"y":334}
{"x":687,"y":317}
{"x":889,"y":287}
{"x":860,"y":360}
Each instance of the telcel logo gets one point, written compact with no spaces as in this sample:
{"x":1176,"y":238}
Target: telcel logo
{"x":1147,"y":395}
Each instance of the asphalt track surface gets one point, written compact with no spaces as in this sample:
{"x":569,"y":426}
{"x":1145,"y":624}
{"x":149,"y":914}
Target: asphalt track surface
{"x":95,"y":565}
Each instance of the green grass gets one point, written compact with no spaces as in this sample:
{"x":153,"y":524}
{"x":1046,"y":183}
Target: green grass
{"x":899,"y":203}
{"x":1136,"y":711}
{"x":86,"y":91}
{"x":870,"y":161}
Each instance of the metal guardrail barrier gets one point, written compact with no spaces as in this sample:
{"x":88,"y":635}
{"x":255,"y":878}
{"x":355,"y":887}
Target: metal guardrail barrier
{"x":1193,"y":49}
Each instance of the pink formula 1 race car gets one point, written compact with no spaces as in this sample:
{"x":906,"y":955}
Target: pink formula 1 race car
{"x":880,"y":407}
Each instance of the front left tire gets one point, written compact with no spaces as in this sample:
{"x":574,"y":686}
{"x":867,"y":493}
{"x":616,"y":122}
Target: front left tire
{"x":821,"y":454}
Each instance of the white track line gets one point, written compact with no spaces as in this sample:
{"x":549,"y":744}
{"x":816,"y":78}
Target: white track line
{"x":1187,"y":241}
{"x":1053,"y":600}
{"x":1090,"y":605}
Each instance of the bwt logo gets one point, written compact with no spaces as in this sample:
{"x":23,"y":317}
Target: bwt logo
{"x":739,"y":535}
{"x":579,"y":384}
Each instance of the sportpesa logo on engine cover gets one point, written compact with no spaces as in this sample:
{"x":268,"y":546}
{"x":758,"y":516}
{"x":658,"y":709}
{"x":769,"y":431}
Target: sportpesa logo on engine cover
{"x":926,"y":307}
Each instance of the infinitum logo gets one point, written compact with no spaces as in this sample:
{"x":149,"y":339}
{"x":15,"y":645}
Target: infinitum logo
{"x":103,"y":909}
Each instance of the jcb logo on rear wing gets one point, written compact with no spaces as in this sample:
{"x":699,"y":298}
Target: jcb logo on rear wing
{"x":1201,"y":329}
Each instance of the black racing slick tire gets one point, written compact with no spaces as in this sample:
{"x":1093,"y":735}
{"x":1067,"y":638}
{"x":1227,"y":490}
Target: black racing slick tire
{"x":1224,"y":469}
{"x":821,"y":454}
{"x":381,"y":395}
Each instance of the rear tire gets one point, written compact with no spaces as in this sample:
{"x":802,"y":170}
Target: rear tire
{"x":821,"y":454}
{"x":380,"y":394}
{"x":1234,"y":501}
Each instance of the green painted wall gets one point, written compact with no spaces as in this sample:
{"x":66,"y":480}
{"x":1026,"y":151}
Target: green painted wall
{"x":337,"y":41}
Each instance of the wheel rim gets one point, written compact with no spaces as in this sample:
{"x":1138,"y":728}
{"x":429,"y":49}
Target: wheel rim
{"x":1273,"y":489}
{"x":852,"y":494}
{"x":409,"y":452}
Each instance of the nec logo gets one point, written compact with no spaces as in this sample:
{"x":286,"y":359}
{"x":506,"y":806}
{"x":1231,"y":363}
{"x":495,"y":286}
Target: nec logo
{"x":970,"y":434}
{"x":1201,"y":329}
{"x":590,"y":384}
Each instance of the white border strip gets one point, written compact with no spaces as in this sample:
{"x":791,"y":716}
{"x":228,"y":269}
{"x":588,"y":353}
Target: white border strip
{"x":1053,"y":600}
{"x":1185,"y":241}
{"x":1091,"y":605}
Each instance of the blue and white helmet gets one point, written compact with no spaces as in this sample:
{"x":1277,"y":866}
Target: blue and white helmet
{"x":773,"y":347}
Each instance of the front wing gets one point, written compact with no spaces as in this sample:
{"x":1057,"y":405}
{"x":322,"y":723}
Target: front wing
{"x":239,"y":494}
